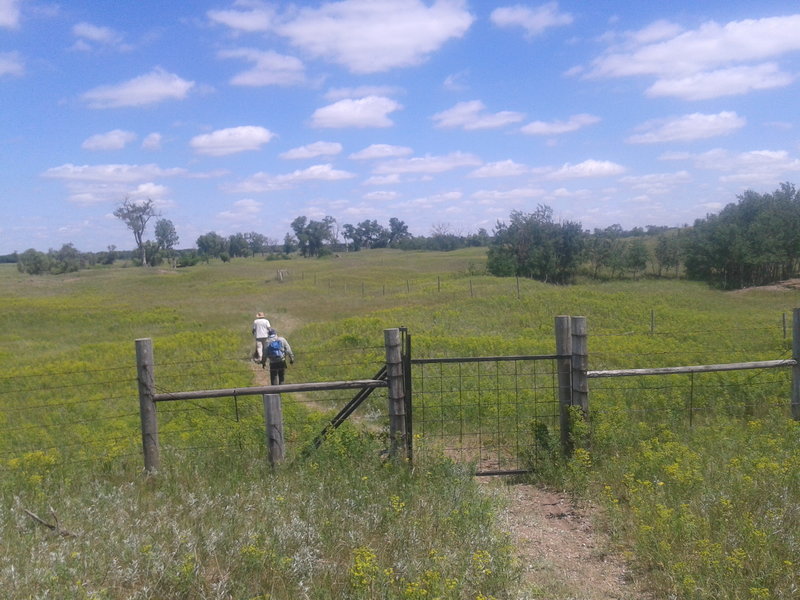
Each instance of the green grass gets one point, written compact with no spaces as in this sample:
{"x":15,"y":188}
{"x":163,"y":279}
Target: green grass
{"x":706,"y":508}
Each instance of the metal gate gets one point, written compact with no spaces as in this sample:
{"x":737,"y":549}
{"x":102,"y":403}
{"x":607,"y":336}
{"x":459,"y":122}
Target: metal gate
{"x":498,"y":413}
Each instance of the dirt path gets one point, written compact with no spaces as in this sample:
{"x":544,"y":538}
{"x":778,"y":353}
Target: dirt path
{"x":563,"y":556}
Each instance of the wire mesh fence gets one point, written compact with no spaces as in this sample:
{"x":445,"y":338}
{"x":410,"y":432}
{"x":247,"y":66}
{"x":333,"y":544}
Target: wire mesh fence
{"x":499,"y":413}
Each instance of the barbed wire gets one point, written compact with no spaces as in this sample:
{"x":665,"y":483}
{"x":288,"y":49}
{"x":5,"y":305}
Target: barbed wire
{"x":9,"y":409}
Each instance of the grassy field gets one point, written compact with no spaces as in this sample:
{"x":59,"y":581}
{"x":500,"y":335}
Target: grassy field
{"x":699,"y":476}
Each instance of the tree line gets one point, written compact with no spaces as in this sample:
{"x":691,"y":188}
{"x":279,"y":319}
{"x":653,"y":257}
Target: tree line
{"x":754,"y":241}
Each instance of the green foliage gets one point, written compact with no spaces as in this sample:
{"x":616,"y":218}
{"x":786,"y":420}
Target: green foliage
{"x":532,"y":245}
{"x":752,"y":242}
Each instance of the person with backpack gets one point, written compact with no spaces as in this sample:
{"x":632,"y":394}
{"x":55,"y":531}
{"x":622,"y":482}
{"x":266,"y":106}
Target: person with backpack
{"x":276,"y":351}
{"x":261,"y":333}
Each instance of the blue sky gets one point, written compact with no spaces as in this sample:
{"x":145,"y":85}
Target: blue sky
{"x":238,"y":116}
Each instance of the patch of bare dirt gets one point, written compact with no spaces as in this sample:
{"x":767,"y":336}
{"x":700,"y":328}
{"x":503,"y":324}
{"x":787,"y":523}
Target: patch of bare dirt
{"x":782,"y":286}
{"x":563,"y":555}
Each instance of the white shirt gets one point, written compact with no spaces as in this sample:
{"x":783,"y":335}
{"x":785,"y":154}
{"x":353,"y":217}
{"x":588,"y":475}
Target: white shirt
{"x":260,"y":328}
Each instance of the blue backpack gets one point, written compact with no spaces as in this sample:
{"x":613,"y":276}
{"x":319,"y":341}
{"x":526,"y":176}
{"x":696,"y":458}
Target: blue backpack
{"x":275,"y":351}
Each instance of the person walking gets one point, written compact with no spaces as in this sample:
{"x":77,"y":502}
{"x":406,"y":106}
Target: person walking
{"x":277,"y":350}
{"x":261,"y":333}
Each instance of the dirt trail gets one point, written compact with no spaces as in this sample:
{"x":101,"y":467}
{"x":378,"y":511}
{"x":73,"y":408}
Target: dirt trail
{"x":563,"y":556}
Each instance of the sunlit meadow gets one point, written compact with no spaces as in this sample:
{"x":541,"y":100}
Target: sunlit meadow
{"x":699,"y":477}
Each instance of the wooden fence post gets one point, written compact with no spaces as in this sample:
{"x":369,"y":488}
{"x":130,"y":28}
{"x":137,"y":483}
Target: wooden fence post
{"x":147,"y":406}
{"x":796,"y":367}
{"x":580,"y":365}
{"x":394,"y":376}
{"x":273,"y":417}
{"x":564,"y":366}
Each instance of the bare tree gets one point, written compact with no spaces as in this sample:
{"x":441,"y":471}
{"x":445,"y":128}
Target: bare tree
{"x":135,"y":216}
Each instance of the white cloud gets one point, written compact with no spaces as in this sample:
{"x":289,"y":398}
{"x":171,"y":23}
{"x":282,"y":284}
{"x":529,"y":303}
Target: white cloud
{"x":383,"y":179}
{"x":313,"y":150}
{"x":242,"y":211}
{"x":712,"y":55}
{"x":90,"y":36}
{"x":152,"y":141}
{"x":514,"y":194}
{"x":533,"y":20}
{"x":252,"y":17}
{"x":470,"y":116}
{"x":269,"y":68}
{"x":371,"y":111}
{"x":11,"y":64}
{"x":656,"y":183}
{"x":372,"y":37}
{"x":381,"y":196}
{"x":231,"y":140}
{"x":381,"y":151}
{"x":9,"y":13}
{"x":152,"y":191}
{"x":264,"y":182}
{"x":362,"y":91}
{"x":757,"y":167}
{"x":110,"y":173}
{"x":722,"y":82}
{"x":456,"y":82}
{"x":588,"y":168}
{"x":695,"y":126}
{"x":112,"y":140}
{"x":503,"y":168}
{"x":428,"y":164}
{"x":152,"y":88}
{"x":95,"y":184}
{"x":574,"y":123}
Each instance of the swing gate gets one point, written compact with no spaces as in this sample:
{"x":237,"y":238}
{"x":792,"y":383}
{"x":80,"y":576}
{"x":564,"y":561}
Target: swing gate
{"x":499,"y":413}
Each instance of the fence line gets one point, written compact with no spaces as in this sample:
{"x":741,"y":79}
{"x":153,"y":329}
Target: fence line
{"x":161,"y":395}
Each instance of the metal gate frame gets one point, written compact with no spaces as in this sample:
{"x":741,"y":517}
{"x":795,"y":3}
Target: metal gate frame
{"x":554,"y":416}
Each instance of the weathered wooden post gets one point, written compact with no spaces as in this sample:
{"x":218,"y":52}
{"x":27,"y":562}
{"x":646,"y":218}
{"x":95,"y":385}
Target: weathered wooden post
{"x":580,"y":365}
{"x":564,"y":368}
{"x":147,"y":406}
{"x":273,"y":417}
{"x":394,"y":374}
{"x":796,"y":367}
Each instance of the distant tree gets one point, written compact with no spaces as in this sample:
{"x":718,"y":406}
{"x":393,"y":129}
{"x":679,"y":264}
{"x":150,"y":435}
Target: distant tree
{"x":289,"y":244}
{"x":312,"y":235}
{"x":753,"y":242}
{"x":398,"y":231}
{"x":166,"y":236}
{"x":481,"y":238}
{"x":667,"y":253}
{"x":33,"y":262}
{"x":66,"y":260}
{"x":238,"y":245}
{"x":108,"y":257}
{"x":532,"y":245}
{"x":636,"y":256}
{"x":257,"y":242}
{"x":136,"y":215}
{"x":211,"y":245}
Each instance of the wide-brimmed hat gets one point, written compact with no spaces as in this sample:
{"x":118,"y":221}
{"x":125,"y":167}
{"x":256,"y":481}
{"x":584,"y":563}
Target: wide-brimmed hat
{"x":259,"y":315}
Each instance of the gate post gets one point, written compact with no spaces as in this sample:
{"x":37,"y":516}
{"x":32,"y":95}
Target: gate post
{"x":147,"y":406}
{"x":580,"y":365}
{"x":273,"y":417}
{"x":394,"y":377}
{"x":796,"y":367}
{"x":564,"y":368}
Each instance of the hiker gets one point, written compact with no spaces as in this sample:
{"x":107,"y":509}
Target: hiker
{"x":277,"y":350}
{"x":261,"y":333}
